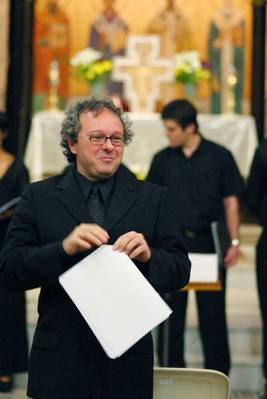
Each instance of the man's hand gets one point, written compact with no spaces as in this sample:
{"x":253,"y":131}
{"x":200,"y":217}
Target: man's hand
{"x":231,"y":256}
{"x":134,"y":245}
{"x":84,"y":237}
{"x":7,"y":214}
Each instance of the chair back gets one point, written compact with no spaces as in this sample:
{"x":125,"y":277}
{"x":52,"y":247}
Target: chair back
{"x":189,"y":383}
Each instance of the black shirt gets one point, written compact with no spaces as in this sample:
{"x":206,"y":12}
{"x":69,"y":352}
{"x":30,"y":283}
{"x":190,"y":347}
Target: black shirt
{"x":197,"y":185}
{"x":85,"y":186}
{"x":257,"y":184}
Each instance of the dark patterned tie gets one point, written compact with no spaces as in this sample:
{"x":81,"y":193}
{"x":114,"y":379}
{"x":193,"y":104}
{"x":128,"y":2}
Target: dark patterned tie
{"x":96,"y":206}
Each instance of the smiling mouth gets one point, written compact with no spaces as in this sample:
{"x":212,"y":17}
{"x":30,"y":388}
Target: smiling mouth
{"x":107,"y":159}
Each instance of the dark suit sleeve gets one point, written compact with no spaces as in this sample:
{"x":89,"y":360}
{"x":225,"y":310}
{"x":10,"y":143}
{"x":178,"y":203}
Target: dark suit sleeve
{"x":22,"y":177}
{"x":255,"y":185}
{"x":169,"y":266}
{"x":155,"y":173}
{"x":24,"y":263}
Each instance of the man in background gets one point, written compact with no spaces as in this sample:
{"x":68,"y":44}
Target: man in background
{"x":204,"y":184}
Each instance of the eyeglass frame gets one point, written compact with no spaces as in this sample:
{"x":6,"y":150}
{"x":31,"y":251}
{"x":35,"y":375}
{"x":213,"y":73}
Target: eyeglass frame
{"x":104,"y":138}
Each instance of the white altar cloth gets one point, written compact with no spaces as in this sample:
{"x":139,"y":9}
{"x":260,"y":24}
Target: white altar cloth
{"x":44,"y":155}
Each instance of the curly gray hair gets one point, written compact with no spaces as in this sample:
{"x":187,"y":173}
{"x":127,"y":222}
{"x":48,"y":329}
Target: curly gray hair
{"x":71,"y":124}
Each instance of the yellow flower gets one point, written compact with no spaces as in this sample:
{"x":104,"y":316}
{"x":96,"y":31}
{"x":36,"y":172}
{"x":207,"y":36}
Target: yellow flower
{"x":90,"y":66}
{"x":188,"y":67}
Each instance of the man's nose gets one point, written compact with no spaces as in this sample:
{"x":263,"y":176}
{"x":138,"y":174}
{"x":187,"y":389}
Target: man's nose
{"x":108,"y":144}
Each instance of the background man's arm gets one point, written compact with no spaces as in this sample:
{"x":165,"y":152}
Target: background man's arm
{"x":231,"y":208}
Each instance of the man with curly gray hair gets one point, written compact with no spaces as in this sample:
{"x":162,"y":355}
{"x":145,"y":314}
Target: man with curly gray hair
{"x":64,"y":218}
{"x":71,"y":124}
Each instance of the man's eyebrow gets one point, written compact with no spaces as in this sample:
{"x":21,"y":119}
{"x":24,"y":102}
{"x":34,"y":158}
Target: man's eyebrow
{"x":102,"y":132}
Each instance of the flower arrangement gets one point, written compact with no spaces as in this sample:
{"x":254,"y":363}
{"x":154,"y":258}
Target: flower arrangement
{"x":189,"y":69}
{"x":90,"y":65}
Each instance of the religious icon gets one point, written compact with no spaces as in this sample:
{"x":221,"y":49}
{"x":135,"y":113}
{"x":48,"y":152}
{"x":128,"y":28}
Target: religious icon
{"x":172,"y":26}
{"x":108,"y":34}
{"x":51,"y":47}
{"x":226,"y":54}
{"x":175,"y":36}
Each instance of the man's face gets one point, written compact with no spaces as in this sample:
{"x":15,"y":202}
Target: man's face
{"x":96,"y":161}
{"x":177,"y":135}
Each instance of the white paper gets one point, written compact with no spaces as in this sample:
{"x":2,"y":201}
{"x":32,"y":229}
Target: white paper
{"x":204,"y":268}
{"x":114,"y":298}
{"x":9,"y":204}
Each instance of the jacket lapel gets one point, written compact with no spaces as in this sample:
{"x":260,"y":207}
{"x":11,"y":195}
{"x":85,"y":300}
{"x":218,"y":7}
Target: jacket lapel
{"x":123,"y":197}
{"x":69,"y":195}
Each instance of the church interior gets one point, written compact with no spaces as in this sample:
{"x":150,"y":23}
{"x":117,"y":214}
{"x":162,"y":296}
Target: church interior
{"x":143,"y":54}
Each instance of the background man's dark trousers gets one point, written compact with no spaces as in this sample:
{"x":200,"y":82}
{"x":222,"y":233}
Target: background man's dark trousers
{"x":211,"y":318}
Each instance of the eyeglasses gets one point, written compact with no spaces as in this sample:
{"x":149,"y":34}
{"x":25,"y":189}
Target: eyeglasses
{"x":100,"y":139}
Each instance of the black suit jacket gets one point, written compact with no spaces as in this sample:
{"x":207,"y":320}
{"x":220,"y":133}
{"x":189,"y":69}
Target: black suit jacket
{"x":66,"y":360}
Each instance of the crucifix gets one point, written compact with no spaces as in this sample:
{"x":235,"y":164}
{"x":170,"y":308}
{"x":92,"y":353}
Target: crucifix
{"x":142,"y":72}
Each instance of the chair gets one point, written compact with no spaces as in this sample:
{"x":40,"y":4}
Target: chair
{"x":189,"y":383}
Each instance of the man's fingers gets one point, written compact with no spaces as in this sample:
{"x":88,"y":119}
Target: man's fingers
{"x":95,"y":230}
{"x":124,"y":240}
{"x":137,"y":251}
{"x":84,"y":237}
{"x":132,"y":244}
{"x":93,"y":238}
{"x":93,"y":233}
{"x":83,"y":244}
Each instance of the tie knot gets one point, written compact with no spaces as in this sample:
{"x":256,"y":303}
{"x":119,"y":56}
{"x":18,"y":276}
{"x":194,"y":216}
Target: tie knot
{"x":96,"y":192}
{"x":95,"y":189}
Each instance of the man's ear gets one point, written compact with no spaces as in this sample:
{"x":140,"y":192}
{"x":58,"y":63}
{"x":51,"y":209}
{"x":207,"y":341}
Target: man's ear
{"x":191,"y":128}
{"x":72,"y":147}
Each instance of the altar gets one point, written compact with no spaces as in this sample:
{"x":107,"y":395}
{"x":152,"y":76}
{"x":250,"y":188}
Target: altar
{"x":44,"y":157}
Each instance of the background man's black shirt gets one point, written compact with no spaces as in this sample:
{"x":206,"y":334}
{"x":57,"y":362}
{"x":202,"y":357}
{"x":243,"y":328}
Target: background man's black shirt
{"x":197,"y":185}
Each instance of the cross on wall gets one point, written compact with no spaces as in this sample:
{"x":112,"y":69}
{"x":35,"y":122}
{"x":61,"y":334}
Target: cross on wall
{"x":142,"y":72}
